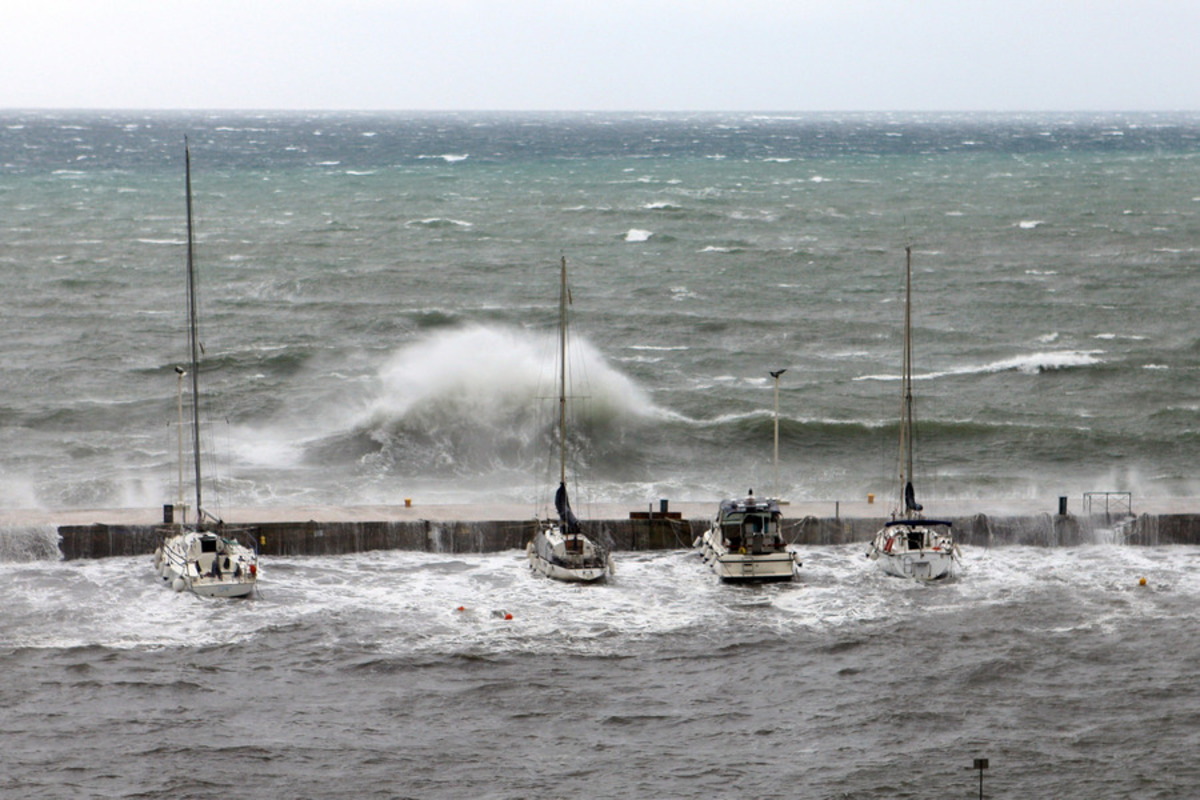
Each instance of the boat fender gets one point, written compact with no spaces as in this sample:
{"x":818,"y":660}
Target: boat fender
{"x":177,"y":584}
{"x":254,"y":570}
{"x":741,"y":551}
{"x":887,"y":546}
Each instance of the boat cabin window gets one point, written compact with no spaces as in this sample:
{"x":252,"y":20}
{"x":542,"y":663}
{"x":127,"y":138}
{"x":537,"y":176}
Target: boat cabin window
{"x":208,"y":545}
{"x":760,"y":524}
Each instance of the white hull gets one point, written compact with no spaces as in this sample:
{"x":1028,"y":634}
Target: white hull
{"x":914,"y":551}
{"x":734,"y":565}
{"x":569,"y":557}
{"x":206,"y":564}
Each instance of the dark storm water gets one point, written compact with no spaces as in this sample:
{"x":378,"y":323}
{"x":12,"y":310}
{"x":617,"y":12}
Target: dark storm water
{"x":379,"y":295}
{"x":360,"y":675}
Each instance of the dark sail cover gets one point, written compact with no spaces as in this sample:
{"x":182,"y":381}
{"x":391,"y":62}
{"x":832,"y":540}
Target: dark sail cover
{"x":910,"y":499}
{"x":563,"y":506}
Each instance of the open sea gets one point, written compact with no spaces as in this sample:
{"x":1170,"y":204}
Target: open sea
{"x":379,"y":296}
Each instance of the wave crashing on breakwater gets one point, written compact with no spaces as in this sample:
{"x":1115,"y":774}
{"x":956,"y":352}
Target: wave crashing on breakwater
{"x":21,"y":543}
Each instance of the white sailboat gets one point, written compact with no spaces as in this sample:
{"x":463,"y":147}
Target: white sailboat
{"x":204,"y":556}
{"x":560,"y":549}
{"x":909,"y":545}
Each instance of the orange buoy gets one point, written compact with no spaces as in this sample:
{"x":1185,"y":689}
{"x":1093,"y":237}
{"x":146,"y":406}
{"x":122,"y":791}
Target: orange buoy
{"x":508,"y":616}
{"x":462,"y":608}
{"x":1142,"y":582}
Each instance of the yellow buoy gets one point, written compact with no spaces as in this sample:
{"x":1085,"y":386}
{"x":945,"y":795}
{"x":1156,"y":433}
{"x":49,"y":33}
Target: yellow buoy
{"x":1142,"y":582}
{"x":870,"y":499}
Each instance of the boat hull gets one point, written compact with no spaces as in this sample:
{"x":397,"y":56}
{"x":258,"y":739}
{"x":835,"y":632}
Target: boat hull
{"x":926,"y":566}
{"x":734,"y":566}
{"x":572,"y":557}
{"x":206,"y":564}
{"x":914,"y":551}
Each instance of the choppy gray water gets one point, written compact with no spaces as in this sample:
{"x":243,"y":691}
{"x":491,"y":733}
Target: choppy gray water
{"x":358,"y":676}
{"x":378,"y":295}
{"x":378,"y":299}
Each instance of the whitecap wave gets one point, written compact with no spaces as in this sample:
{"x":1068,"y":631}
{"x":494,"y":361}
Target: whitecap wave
{"x":439,"y":222}
{"x":1031,"y":364}
{"x":484,"y":372}
{"x":638,"y":235}
{"x":449,"y":158}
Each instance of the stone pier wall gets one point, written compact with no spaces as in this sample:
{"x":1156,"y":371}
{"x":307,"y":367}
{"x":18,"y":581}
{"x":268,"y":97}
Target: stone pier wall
{"x":337,"y":538}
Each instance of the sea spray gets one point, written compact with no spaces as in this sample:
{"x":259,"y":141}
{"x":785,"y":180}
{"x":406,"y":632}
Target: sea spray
{"x":28,"y":542}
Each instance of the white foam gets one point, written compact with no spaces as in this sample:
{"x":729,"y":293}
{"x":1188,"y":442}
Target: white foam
{"x":1030,"y":224}
{"x":119,"y":603}
{"x":440,"y":222}
{"x":1031,"y":364}
{"x":486,"y":373}
{"x":449,"y":158}
{"x":638,"y":235}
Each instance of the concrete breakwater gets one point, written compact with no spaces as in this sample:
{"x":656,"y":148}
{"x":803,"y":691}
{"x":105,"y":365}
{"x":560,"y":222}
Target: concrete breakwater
{"x":649,"y":532}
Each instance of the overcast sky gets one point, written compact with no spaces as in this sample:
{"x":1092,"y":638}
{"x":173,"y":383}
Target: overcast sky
{"x":669,"y":55}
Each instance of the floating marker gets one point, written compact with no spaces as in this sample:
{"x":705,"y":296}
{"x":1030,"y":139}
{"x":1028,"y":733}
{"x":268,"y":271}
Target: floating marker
{"x":462,"y":608}
{"x":508,"y":616}
{"x":1142,"y":582}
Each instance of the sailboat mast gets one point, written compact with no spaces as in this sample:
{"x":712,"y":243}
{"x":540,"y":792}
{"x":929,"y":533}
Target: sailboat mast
{"x":906,"y":422}
{"x":562,"y":376}
{"x":193,"y":338}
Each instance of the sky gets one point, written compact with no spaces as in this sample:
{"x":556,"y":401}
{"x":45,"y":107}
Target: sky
{"x":602,"y":55}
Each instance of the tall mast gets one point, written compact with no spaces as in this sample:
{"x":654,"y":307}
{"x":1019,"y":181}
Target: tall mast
{"x":906,"y":419}
{"x":193,"y":338}
{"x":562,"y":376}
{"x":775,"y":374}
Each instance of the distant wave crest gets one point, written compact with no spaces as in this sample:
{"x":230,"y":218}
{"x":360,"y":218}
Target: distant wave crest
{"x":1031,"y":364}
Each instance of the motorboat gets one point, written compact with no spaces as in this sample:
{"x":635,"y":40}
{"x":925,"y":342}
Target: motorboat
{"x":745,"y":542}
